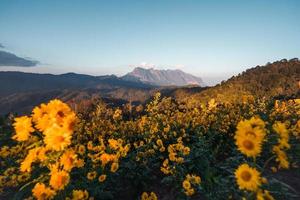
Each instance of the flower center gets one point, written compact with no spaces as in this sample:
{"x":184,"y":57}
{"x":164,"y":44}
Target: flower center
{"x":61,"y":114}
{"x":59,"y":139}
{"x":248,"y":144}
{"x":246,"y":176}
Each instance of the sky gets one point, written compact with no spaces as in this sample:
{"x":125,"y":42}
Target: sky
{"x":210,"y":39}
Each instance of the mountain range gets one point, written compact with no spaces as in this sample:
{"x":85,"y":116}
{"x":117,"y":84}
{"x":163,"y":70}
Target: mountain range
{"x":20,"y":92}
{"x":16,"y":82}
{"x":163,"y":77}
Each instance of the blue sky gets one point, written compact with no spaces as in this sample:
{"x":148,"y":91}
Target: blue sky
{"x":210,"y":39}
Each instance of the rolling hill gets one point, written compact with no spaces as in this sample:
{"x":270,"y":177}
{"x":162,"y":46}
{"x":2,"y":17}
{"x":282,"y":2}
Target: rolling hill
{"x":278,"y":79}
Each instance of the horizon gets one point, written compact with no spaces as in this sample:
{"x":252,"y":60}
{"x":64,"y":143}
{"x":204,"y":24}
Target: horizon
{"x":210,"y":40}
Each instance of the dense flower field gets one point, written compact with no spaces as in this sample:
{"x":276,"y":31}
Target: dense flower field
{"x":168,"y":150}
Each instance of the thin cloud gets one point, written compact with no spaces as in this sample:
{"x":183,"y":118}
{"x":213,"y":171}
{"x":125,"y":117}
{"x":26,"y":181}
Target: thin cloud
{"x":2,"y":46}
{"x":147,"y":65}
{"x":10,"y":59}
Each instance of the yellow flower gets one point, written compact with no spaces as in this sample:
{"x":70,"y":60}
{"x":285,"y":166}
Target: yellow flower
{"x":92,"y":175}
{"x":212,"y":104}
{"x":190,"y":192}
{"x":54,"y":113}
{"x":114,"y":167}
{"x":102,"y":178}
{"x":254,"y":127}
{"x":114,"y":144}
{"x":41,"y":153}
{"x":40,"y":117}
{"x":264,"y":180}
{"x":23,"y":128}
{"x":248,"y":145}
{"x":41,"y":192}
{"x":117,"y":115}
{"x":267,"y":195}
{"x":186,"y":184}
{"x":257,"y":122}
{"x":81,"y":149}
{"x":151,"y":196}
{"x":250,"y":135}
{"x":69,"y":122}
{"x":281,"y":158}
{"x":106,"y":158}
{"x":247,"y":178}
{"x":56,"y":138}
{"x":90,"y":145}
{"x":281,"y":129}
{"x":264,"y":195}
{"x":159,"y":142}
{"x":58,"y":110}
{"x":186,"y":151}
{"x":274,"y":169}
{"x":144,"y":196}
{"x":80,"y":163}
{"x":30,"y":158}
{"x":59,"y":178}
{"x":68,"y":160}
{"x":162,"y":149}
{"x":80,"y":195}
{"x":193,"y":178}
{"x":38,"y":112}
{"x":172,"y":156}
{"x":43,"y":123}
{"x":259,"y":195}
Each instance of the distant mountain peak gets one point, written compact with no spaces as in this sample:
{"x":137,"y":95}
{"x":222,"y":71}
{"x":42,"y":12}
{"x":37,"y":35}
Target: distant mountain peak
{"x":164,"y":77}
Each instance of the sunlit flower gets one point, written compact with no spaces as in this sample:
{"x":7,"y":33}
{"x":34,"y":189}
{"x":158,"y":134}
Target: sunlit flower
{"x":92,"y":175}
{"x":247,"y":178}
{"x":114,"y":144}
{"x":106,"y":158}
{"x":59,"y":178}
{"x":41,"y":192}
{"x":114,"y":167}
{"x":250,"y":135}
{"x":186,"y":184}
{"x":40,"y":117}
{"x":23,"y":128}
{"x":159,"y":142}
{"x":58,"y":111}
{"x":41,"y":153}
{"x":57,"y":138}
{"x":254,"y":127}
{"x":80,"y":195}
{"x":264,"y":195}
{"x":248,"y":145}
{"x":68,"y":160}
{"x":102,"y":178}
{"x":151,"y":196}
{"x":29,"y":159}
{"x":81,"y":149}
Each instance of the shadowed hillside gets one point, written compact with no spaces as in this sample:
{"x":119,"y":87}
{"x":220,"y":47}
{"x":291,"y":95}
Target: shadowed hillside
{"x":15,"y":82}
{"x":20,"y":92}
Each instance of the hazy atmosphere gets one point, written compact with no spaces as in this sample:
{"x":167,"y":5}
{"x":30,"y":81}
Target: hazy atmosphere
{"x":210,"y":39}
